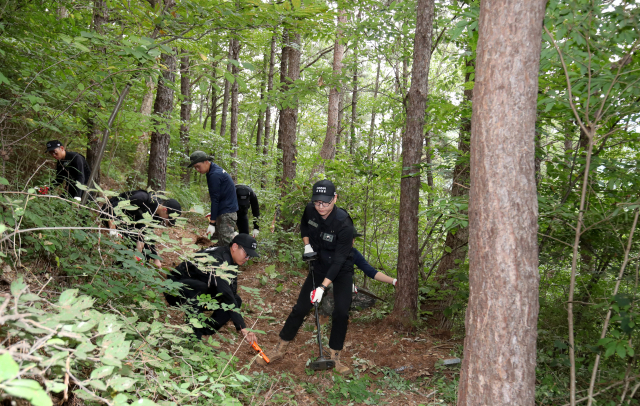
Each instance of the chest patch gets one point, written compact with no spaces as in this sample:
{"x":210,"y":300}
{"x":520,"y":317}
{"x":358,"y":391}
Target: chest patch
{"x":313,"y":223}
{"x":328,"y":237}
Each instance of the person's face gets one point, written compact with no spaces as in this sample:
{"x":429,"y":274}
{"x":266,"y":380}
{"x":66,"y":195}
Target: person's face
{"x":164,"y":213}
{"x":202,"y":167}
{"x":58,"y":153}
{"x":325,"y":208}
{"x":238,"y":254}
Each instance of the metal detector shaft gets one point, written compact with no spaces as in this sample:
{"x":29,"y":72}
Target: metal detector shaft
{"x":318,"y":326}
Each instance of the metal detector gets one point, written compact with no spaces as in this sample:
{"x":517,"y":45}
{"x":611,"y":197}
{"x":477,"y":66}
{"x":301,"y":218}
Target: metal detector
{"x":321,"y":363}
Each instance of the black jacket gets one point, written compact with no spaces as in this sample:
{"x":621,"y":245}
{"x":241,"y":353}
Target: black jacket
{"x":248,"y":198}
{"x":228,"y":289}
{"x":144,"y":201}
{"x":73,"y":168}
{"x":332,"y":239}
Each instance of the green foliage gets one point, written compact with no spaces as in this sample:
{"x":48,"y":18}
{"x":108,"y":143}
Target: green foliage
{"x":351,"y":390}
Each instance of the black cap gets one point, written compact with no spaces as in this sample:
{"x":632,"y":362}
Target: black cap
{"x":356,"y":234}
{"x":198,"y":156}
{"x":53,"y":144}
{"x":243,"y":193}
{"x":248,"y":243}
{"x":173,"y":206}
{"x":323,"y":190}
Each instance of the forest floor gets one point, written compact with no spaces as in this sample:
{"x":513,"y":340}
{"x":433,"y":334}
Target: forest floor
{"x":372,"y":346}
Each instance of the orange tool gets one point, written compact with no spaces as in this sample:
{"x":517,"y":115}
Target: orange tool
{"x":256,"y":347}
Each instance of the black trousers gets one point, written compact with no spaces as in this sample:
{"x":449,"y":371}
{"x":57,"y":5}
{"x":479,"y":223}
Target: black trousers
{"x":243,"y":221}
{"x":190,"y":292}
{"x":340,"y":317}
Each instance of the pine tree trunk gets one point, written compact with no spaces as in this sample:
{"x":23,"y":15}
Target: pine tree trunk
{"x":263,"y":86}
{"x":185,"y":109}
{"x":235,"y":71}
{"x":289,"y":118}
{"x":284,"y":58}
{"x":214,"y":98}
{"x":354,"y":102}
{"x":267,"y":119}
{"x":372,"y":125}
{"x":225,"y":97}
{"x":160,"y":136}
{"x":406,"y":303}
{"x":501,"y":320}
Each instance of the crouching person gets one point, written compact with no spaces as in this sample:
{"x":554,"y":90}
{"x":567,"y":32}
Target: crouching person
{"x":224,"y":290}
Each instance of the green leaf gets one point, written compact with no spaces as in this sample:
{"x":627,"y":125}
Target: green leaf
{"x":3,"y":79}
{"x":3,"y":181}
{"x":101,"y":372}
{"x":144,"y":402}
{"x":122,"y":383}
{"x":30,"y":390}
{"x":8,"y":367}
{"x":68,"y":297}
{"x":621,"y":350}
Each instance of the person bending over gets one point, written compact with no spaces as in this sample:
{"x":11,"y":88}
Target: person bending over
{"x":224,"y":290}
{"x":70,"y":168}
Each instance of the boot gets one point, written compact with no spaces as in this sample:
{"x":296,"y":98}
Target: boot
{"x":340,"y":367}
{"x":278,"y":353}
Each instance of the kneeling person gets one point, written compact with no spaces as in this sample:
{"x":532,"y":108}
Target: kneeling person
{"x":145,"y":202}
{"x":224,"y":290}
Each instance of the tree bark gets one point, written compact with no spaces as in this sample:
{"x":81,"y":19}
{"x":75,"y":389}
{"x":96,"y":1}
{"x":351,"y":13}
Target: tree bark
{"x":328,"y":150}
{"x":185,"y":109}
{"x":456,"y":240}
{"x":235,"y":71}
{"x":140,"y":161}
{"x":289,"y":116}
{"x":267,"y":119}
{"x":372,"y":126}
{"x":214,"y":98}
{"x":160,"y":136}
{"x":406,"y":303}
{"x":501,"y":320}
{"x":225,"y":97}
{"x":354,"y":103}
{"x":284,"y":58}
{"x":261,"y":112}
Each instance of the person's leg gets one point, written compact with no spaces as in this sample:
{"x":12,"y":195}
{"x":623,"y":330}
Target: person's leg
{"x":243,"y":222}
{"x":225,"y":225}
{"x":342,"y":289}
{"x":299,"y":311}
{"x":190,"y":292}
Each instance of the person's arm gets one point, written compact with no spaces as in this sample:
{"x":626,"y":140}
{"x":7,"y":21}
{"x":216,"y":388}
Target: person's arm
{"x":384,"y":278}
{"x":362,"y":264}
{"x":227,"y":296}
{"x":304,"y":226}
{"x":255,"y":209}
{"x":79,"y":164}
{"x":345,"y":245}
{"x":213,"y":182}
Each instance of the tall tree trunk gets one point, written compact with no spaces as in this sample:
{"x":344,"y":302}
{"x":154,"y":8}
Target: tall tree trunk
{"x":340,"y":122}
{"x":185,"y":109}
{"x":284,"y":58}
{"x":142,"y":148}
{"x":290,"y":116}
{"x":406,"y":303}
{"x":267,"y":119}
{"x":160,"y":137}
{"x":214,"y":97}
{"x":428,"y":150}
{"x":328,"y":150}
{"x":235,"y":71}
{"x":455,"y":245}
{"x":372,"y":126}
{"x":261,"y":112}
{"x":354,"y":103}
{"x":501,"y":321}
{"x":225,"y":97}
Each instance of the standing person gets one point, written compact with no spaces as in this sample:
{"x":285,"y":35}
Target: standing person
{"x":161,"y":211}
{"x":222,"y":192}
{"x":71,"y":167}
{"x":222,"y":289}
{"x":327,"y":230}
{"x":247,"y":197}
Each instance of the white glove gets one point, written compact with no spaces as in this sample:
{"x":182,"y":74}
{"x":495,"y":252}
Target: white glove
{"x":316,"y":295}
{"x":235,"y":233}
{"x":354,"y":289}
{"x":308,"y":249}
{"x":394,"y":282}
{"x":114,"y":233}
{"x":211,"y":230}
{"x":255,"y":233}
{"x":78,"y":198}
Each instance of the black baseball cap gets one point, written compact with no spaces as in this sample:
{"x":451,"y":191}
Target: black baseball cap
{"x":243,"y":193}
{"x":197,"y":157}
{"x":173,"y":206}
{"x":356,"y":234}
{"x":248,"y":243}
{"x":53,"y":144}
{"x":323,"y":190}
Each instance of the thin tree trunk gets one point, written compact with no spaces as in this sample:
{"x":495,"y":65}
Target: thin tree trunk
{"x":455,"y":245}
{"x":328,"y":149}
{"x":372,"y":126}
{"x":142,"y":148}
{"x":429,"y":153}
{"x":340,"y":124}
{"x":160,"y":137}
{"x":225,"y":98}
{"x":235,"y":71}
{"x":267,"y":119}
{"x":214,"y":98}
{"x":406,"y":302}
{"x":501,"y":321}
{"x":261,"y":112}
{"x":354,"y":100}
{"x":283,"y":90}
{"x":290,"y":117}
{"x":185,"y":109}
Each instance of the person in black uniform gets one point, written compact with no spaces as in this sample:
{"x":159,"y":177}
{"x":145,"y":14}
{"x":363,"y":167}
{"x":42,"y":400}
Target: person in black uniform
{"x":71,"y":167}
{"x":224,"y":290}
{"x":161,"y":211}
{"x":327,"y":230}
{"x":247,"y":197}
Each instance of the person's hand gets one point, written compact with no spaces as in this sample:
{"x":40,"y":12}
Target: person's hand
{"x":249,"y":336}
{"x":308,"y":249}
{"x":394,"y":282}
{"x":211,"y":230}
{"x":78,"y":198}
{"x":255,"y":233}
{"x":316,"y":295}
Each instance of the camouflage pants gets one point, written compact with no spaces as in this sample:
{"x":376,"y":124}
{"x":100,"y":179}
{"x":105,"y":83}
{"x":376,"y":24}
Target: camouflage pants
{"x":225,"y":226}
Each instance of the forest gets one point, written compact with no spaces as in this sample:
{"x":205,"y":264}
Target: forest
{"x":486,"y":151}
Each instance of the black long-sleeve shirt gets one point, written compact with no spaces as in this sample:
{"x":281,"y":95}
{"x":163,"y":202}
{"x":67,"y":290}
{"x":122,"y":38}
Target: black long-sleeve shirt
{"x":227,"y":287}
{"x":73,"y":168}
{"x":331,"y":238}
{"x":248,"y":198}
